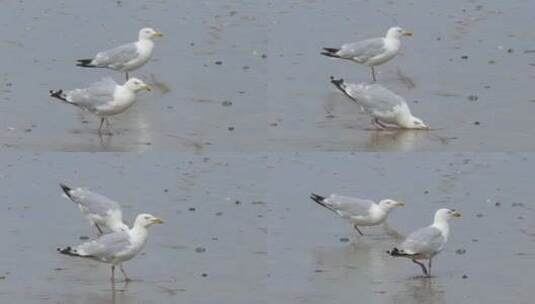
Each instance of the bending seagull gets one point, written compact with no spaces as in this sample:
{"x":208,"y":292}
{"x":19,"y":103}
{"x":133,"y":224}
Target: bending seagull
{"x":101,"y":211}
{"x":370,"y":52}
{"x":384,"y":106}
{"x":103,"y":98}
{"x":360,"y":212}
{"x":425,"y":243}
{"x":127,"y":57}
{"x":117,"y":247}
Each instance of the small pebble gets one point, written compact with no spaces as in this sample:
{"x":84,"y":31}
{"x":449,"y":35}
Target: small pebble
{"x":264,"y":56}
{"x":344,"y":240}
{"x":464,"y":57}
{"x":83,"y":238}
{"x":204,"y":275}
{"x":318,"y":270}
{"x":517,"y":205}
{"x":492,"y":62}
{"x":510,"y":51}
{"x":497,"y":204}
{"x":479,"y":215}
{"x":231,"y":128}
{"x":219,"y":213}
{"x":477,"y":123}
{"x":245,"y":67}
{"x":464,"y":276}
{"x":191,"y":209}
{"x":200,"y":249}
{"x":237,"y":202}
{"x":165,"y":190}
{"x":226,"y":103}
{"x":460,"y":251}
{"x":219,"y":62}
{"x":473,"y":98}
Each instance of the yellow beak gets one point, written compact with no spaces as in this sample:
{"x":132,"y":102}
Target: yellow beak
{"x":158,"y":34}
{"x":407,"y":34}
{"x":147,"y":87}
{"x":157,"y":221}
{"x":456,"y":214}
{"x":401,"y":204}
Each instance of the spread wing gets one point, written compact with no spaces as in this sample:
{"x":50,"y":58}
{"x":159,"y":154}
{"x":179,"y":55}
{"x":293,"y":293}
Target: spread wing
{"x":94,"y":203}
{"x":99,"y":93}
{"x":425,"y":241}
{"x":117,"y":57}
{"x":362,"y":51}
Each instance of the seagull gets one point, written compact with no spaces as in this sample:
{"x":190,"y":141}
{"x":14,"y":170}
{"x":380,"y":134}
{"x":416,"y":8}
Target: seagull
{"x":370,"y":52}
{"x":425,"y":243}
{"x":99,"y":210}
{"x":360,"y":212}
{"x":382,"y":104}
{"x":103,"y":98}
{"x":117,"y":247}
{"x":127,"y":57}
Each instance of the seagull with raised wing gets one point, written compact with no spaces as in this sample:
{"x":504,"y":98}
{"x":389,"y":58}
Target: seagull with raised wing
{"x":385,"y":107}
{"x":127,"y":57}
{"x":359,"y":212}
{"x":117,"y":247}
{"x":370,"y":52}
{"x":103,"y":98}
{"x":102,"y":212}
{"x":427,"y":242}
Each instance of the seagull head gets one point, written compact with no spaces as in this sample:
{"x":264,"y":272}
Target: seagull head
{"x":146,"y":220}
{"x":396,"y":32}
{"x":148,"y":33}
{"x":416,"y":123}
{"x":390,"y":203}
{"x":446,"y":214}
{"x":136,"y":85}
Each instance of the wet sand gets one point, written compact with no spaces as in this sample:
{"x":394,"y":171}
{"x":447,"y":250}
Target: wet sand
{"x":274,"y":245}
{"x":464,"y":72}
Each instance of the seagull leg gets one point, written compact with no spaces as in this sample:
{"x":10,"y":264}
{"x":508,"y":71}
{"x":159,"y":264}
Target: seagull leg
{"x":358,"y":230}
{"x":373,"y":74}
{"x":429,"y":265}
{"x":127,"y":77}
{"x":422,"y":266}
{"x":100,"y":127}
{"x":126,"y":278}
{"x":99,"y":230}
{"x":113,"y":273}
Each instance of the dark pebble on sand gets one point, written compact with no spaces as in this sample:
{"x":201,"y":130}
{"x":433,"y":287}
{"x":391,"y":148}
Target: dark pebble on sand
{"x":219,"y":213}
{"x":510,"y":50}
{"x":264,"y":56}
{"x":464,"y":276}
{"x":517,"y":205}
{"x":191,"y":209}
{"x":464,"y":57}
{"x":219,"y":62}
{"x":226,"y":103}
{"x":344,"y":240}
{"x":477,"y":123}
{"x":497,"y":204}
{"x":83,"y":238}
{"x":460,"y":251}
{"x":231,"y":128}
{"x":479,"y":215}
{"x":204,"y":275}
{"x":473,"y":98}
{"x":200,"y":249}
{"x":165,"y":190}
{"x":237,"y":202}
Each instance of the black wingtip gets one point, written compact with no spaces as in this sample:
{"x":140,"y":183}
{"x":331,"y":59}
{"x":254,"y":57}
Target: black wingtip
{"x":396,"y":252}
{"x":66,"y":189}
{"x":329,"y":54}
{"x":318,"y":199}
{"x":85,"y":63}
{"x":331,"y":50}
{"x":68,"y":251}
{"x":57,"y":94}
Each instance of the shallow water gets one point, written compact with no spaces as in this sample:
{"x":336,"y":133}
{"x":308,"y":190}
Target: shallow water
{"x":272,"y":73}
{"x":275,"y":245}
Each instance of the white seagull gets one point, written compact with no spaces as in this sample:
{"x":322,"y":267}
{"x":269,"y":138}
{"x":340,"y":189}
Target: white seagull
{"x":103,"y":98}
{"x":360,"y":212}
{"x":383,"y":105}
{"x":117,"y":247}
{"x":425,"y":243}
{"x":127,"y":57}
{"x":101,"y":211}
{"x":370,"y":52}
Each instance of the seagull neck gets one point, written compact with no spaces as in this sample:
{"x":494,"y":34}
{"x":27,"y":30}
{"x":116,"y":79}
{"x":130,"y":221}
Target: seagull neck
{"x":442,"y":225}
{"x":139,"y":232}
{"x":145,"y":42}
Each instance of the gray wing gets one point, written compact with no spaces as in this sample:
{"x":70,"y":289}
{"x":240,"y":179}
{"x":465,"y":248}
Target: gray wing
{"x":363,"y":50}
{"x":98,"y":93}
{"x":105,"y":247}
{"x":117,"y":57}
{"x":425,"y":241}
{"x":93,"y":202}
{"x":374,"y":97}
{"x":349,"y":206}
